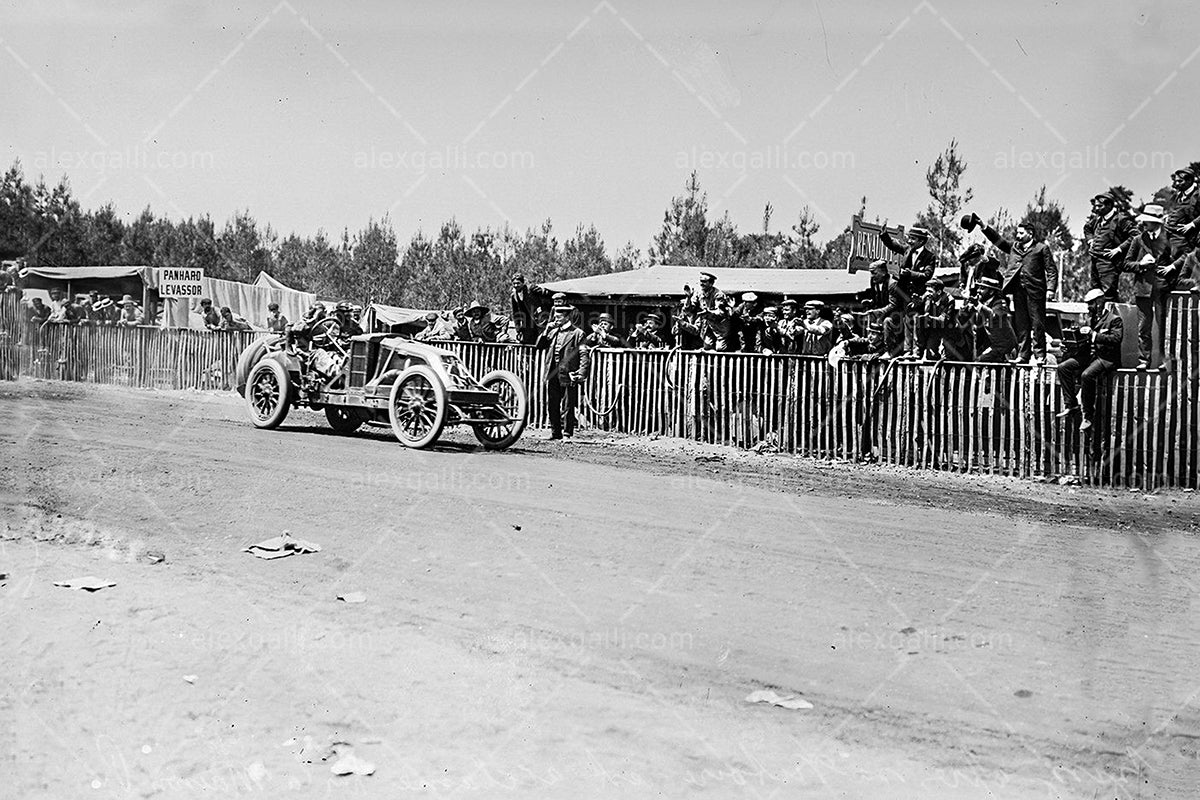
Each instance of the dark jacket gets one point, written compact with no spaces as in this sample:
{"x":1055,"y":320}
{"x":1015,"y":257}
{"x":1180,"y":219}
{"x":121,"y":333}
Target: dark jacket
{"x":916,"y":268}
{"x":1145,"y":277}
{"x":1107,"y":335}
{"x":1181,"y":211}
{"x":597,"y":339}
{"x":937,"y":308}
{"x":524,"y":311}
{"x":567,"y":353}
{"x":1032,"y":265}
{"x":995,"y":321}
{"x":1104,"y":234}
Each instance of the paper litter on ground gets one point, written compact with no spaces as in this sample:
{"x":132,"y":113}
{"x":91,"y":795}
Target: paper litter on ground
{"x":281,"y":546}
{"x":352,"y":597}
{"x":352,"y":765}
{"x":89,"y":583}
{"x":791,"y":701}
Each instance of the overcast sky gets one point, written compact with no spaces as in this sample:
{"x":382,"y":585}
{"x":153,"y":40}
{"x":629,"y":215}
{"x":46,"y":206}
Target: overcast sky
{"x":320,"y":115}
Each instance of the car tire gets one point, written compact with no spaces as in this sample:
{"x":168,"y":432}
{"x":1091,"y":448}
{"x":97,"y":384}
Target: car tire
{"x":343,"y":419}
{"x":246,"y":361}
{"x":515,"y":402}
{"x":417,"y":407}
{"x":268,"y":394}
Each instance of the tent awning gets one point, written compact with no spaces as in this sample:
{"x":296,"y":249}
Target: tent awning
{"x":668,"y":281}
{"x":91,"y":273}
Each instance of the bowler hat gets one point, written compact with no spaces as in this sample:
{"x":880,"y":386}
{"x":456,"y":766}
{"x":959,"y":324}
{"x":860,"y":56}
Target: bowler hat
{"x":967,"y":223}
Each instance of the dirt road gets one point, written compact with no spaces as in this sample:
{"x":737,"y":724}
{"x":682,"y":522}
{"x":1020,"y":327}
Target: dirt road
{"x":570,"y":620}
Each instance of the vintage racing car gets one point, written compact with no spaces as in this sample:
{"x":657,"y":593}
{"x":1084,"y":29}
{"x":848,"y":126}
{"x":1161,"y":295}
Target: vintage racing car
{"x":381,"y":379}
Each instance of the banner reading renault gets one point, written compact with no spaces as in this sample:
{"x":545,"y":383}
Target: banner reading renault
{"x":177,"y":282}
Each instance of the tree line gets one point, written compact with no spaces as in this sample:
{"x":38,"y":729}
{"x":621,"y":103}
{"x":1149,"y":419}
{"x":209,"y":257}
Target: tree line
{"x":48,"y":227}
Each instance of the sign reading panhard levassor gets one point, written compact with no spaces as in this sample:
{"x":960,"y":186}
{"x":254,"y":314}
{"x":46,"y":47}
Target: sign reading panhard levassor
{"x":180,"y":282}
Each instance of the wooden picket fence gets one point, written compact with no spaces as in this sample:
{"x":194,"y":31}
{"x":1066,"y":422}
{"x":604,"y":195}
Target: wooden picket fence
{"x":970,"y":418}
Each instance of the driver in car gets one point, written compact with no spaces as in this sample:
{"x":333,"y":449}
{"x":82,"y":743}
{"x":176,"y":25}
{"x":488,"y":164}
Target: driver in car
{"x":302,"y":331}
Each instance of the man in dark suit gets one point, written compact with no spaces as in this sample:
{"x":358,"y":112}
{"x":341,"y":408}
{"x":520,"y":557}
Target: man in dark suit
{"x":566,"y":370}
{"x":526,"y":300}
{"x":1107,"y":233}
{"x":1030,"y":276}
{"x":1155,"y":263}
{"x":916,"y":268}
{"x":1183,"y":226}
{"x":1105,"y":331}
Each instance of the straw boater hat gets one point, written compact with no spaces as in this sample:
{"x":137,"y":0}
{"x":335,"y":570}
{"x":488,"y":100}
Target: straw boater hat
{"x":102,"y":303}
{"x":749,"y":297}
{"x":787,"y":301}
{"x":817,"y":304}
{"x":1151,"y":212}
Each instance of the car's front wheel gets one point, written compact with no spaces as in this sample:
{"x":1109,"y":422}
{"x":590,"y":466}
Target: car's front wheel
{"x":417,"y":407}
{"x":268,"y":394}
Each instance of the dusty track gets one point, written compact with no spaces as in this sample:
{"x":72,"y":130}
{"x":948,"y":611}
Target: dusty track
{"x":571,"y":620}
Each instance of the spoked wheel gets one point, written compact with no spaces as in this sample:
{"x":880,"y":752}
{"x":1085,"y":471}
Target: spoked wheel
{"x":512,"y":411}
{"x":268,"y":394}
{"x":417,"y":407}
{"x":342,"y":419}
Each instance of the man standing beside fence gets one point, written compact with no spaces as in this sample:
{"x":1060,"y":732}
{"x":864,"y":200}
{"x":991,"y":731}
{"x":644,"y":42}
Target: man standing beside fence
{"x":566,"y":369}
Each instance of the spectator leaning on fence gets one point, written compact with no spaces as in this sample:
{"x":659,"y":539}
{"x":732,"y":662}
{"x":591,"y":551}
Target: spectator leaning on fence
{"x":650,"y":333}
{"x":209,"y":316}
{"x":38,"y":312}
{"x":130,"y":315}
{"x":747,"y":323}
{"x":936,"y":308}
{"x":1155,"y":263}
{"x":1106,"y":234}
{"x":816,"y":332}
{"x":231,"y":321}
{"x":480,"y":326}
{"x":602,"y":334}
{"x":104,"y":312}
{"x":1102,"y":337}
{"x":276,"y":322}
{"x":769,"y":341}
{"x":1031,"y":274}
{"x":791,"y":337}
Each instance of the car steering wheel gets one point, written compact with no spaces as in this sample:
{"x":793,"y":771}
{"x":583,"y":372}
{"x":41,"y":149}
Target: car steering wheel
{"x":325,"y":328}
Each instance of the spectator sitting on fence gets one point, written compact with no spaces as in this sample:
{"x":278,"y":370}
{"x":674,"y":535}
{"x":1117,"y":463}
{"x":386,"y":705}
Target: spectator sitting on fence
{"x":602,"y":334}
{"x":130,"y":315}
{"x":649,"y":334}
{"x":931,"y":321}
{"x":769,"y":341}
{"x":232,"y":322}
{"x":38,"y":312}
{"x":816,"y":332}
{"x":993,"y":322}
{"x":276,"y":321}
{"x":1102,"y":335}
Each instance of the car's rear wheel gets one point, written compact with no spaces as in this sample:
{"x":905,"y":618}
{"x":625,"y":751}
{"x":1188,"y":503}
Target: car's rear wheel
{"x":343,"y":419}
{"x":417,"y":407}
{"x":513,"y":406}
{"x":268,"y":394}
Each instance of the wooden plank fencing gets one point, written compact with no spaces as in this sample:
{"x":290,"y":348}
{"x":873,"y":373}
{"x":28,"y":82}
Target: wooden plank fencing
{"x":969,"y":418}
